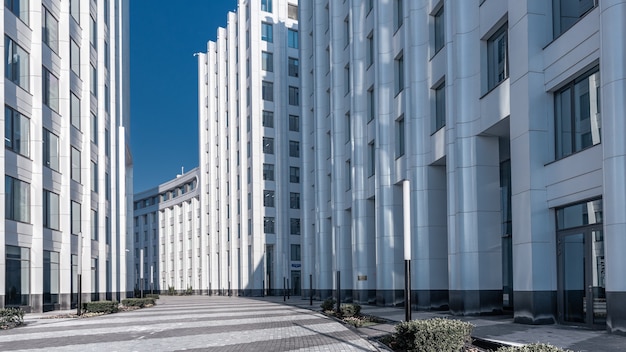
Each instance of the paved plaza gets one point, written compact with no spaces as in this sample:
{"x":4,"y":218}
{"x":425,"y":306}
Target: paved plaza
{"x":190,"y":323}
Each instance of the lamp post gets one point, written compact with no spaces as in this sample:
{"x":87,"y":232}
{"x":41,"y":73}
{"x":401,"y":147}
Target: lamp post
{"x":406,"y":200}
{"x":141,"y":273}
{"x":79,"y":276}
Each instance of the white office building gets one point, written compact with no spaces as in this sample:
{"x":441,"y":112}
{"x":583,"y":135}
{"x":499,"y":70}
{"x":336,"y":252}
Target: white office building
{"x":249,"y":124}
{"x":169,"y":251}
{"x":66,"y":161}
{"x":507,"y":119}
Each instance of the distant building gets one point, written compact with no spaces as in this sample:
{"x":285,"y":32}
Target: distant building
{"x":66,"y":163}
{"x":507,"y":121}
{"x":169,"y":249}
{"x":250,"y":152}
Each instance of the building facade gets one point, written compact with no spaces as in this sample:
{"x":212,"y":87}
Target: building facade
{"x":506,"y":118}
{"x":67,"y":164}
{"x":169,"y":251}
{"x":249,"y":125}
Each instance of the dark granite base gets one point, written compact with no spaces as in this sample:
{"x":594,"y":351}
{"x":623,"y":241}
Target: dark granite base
{"x":393,"y":298}
{"x":475,"y":302}
{"x":616,"y":312}
{"x":535,"y":307}
{"x":364,"y":296}
{"x":429,"y":300}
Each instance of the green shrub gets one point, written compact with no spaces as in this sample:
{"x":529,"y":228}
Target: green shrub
{"x":350,"y":310}
{"x":328,"y":304}
{"x":152,"y":295}
{"x":534,"y":347}
{"x":106,"y":307}
{"x":138,"y":302}
{"x":171,"y":291}
{"x":432,"y":335}
{"x":189,"y":291}
{"x":11,"y":317}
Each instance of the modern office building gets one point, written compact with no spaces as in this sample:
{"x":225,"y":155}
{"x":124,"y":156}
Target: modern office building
{"x":66,"y":162}
{"x":170,"y":252}
{"x":507,"y":119}
{"x":249,"y":125}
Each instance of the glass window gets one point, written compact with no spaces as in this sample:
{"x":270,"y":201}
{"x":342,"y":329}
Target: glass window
{"x":268,"y":198}
{"x":294,"y":226}
{"x":75,"y":57}
{"x":17,"y":200}
{"x":399,"y":71}
{"x":268,"y":145}
{"x":267,"y":61}
{"x":94,"y":129}
{"x":75,"y":164}
{"x":565,"y":13}
{"x":294,"y":123}
{"x":398,"y":14}
{"x":267,"y":91}
{"x":51,"y":210}
{"x":294,"y":96}
{"x":19,"y":9}
{"x":294,"y":67}
{"x":294,"y":149}
{"x":266,"y":5}
{"x":50,"y":30}
{"x":75,"y":10}
{"x":348,"y":175}
{"x":17,"y":280}
{"x":371,"y":105}
{"x":346,"y":31}
{"x":106,"y":54}
{"x":292,"y":38}
{"x":292,"y":11}
{"x":439,"y":30}
{"x":50,"y":90}
{"x":51,"y":275}
{"x":440,"y":107}
{"x":294,"y":174}
{"x":400,"y":133}
{"x":497,"y":57}
{"x":372,"y":158}
{"x":578,"y":121}
{"x":93,"y":78}
{"x":370,"y":49}
{"x":348,"y":127}
{"x":16,"y":132}
{"x":94,"y":225}
{"x":50,"y":150}
{"x":75,"y":110}
{"x":75,"y":210}
{"x":268,"y":119}
{"x":346,"y":79}
{"x":94,"y":177}
{"x":268,"y":172}
{"x":295,"y":252}
{"x":582,"y":214}
{"x":16,"y":67}
{"x":93,"y":29}
{"x":267,"y":34}
{"x":269,"y":224}
{"x":294,"y":200}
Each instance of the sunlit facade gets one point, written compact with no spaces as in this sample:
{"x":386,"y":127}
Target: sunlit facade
{"x":169,"y":250}
{"x":66,"y":162}
{"x":508,"y":123}
{"x":249,"y":132}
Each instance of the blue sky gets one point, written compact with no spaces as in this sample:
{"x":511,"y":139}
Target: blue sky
{"x":164,"y":94}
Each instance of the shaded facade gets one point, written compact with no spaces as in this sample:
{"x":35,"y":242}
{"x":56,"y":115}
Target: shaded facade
{"x":505,"y":117}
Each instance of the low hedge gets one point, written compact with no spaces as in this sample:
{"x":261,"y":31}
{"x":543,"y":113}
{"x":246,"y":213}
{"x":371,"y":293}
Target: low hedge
{"x":138,"y":302}
{"x":11,"y":317}
{"x":349,"y":310}
{"x":152,"y":295}
{"x":432,"y":335}
{"x":534,"y":347}
{"x":106,"y":307}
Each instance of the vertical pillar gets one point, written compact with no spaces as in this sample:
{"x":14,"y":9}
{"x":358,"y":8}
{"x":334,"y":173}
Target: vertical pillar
{"x":613,"y":73}
{"x":474,"y":249}
{"x":534,"y":242}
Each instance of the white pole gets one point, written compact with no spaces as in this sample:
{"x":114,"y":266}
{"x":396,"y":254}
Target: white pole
{"x":141,"y":272}
{"x":406,"y":200}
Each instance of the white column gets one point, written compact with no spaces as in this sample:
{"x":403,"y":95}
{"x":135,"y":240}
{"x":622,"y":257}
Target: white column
{"x":613,"y":73}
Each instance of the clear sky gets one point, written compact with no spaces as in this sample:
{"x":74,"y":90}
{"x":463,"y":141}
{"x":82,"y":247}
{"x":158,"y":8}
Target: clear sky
{"x":164,"y":35}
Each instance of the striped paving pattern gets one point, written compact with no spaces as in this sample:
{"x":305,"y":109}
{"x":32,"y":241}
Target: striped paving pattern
{"x":192,"y":323}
